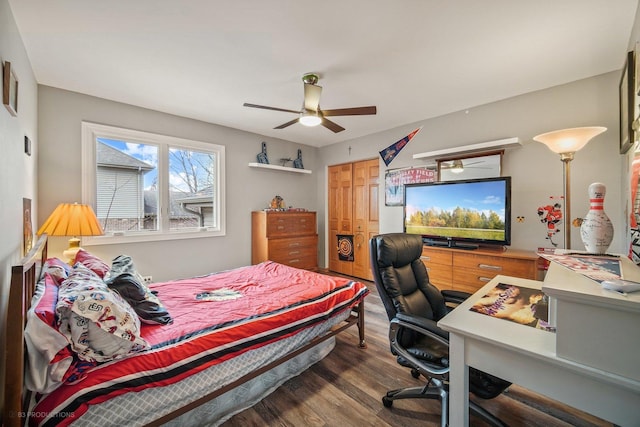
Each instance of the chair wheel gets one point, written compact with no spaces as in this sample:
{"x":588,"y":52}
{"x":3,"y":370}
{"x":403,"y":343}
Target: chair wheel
{"x":387,"y":402}
{"x":415,"y":373}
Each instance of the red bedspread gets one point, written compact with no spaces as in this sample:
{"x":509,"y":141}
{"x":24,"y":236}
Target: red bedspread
{"x":216,"y":317}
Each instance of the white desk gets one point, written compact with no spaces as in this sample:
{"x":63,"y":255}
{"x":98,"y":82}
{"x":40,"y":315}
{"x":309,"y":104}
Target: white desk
{"x":527,"y":356}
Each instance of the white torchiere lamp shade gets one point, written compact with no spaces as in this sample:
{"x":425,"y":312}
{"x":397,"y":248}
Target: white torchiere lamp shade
{"x":566,"y":142}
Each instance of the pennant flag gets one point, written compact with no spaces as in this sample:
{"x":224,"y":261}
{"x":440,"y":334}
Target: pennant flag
{"x":390,"y":153}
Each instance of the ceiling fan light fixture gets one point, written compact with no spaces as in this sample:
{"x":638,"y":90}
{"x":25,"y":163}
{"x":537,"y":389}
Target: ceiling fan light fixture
{"x":457,"y":167}
{"x":310,"y":118}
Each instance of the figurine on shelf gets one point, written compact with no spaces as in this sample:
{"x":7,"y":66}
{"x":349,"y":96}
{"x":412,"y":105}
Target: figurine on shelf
{"x":297,"y":163}
{"x":262,"y":157}
{"x":277,"y":203}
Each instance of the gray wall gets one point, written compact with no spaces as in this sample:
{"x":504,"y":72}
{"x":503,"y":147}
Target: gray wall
{"x":59,"y":178}
{"x":536,"y":171}
{"x":17,"y":170}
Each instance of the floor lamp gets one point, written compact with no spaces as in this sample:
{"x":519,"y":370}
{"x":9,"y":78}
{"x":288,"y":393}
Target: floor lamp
{"x":566,"y":142}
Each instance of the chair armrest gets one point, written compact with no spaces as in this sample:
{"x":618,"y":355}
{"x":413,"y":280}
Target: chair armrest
{"x":424,"y":327}
{"x":455,"y":297}
{"x":427,"y":326}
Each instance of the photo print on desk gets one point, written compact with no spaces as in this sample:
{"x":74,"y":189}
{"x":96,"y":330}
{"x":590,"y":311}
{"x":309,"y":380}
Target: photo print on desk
{"x":517,"y":304}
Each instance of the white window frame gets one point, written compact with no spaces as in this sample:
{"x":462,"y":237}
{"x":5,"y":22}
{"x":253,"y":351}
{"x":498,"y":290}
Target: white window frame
{"x":92,"y":131}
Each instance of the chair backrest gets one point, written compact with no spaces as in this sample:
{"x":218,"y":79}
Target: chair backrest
{"x":402,"y":279}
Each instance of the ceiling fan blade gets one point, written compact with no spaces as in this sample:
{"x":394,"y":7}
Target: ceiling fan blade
{"x":312,"y":96}
{"x":331,"y":125}
{"x":289,"y":123}
{"x":264,"y":107}
{"x":355,"y":111}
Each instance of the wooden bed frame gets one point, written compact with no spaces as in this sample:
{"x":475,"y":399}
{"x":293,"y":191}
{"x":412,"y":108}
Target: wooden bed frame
{"x":25,"y":276}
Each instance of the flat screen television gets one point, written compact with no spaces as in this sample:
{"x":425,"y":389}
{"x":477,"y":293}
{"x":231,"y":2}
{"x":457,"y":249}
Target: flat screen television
{"x":462,"y":214}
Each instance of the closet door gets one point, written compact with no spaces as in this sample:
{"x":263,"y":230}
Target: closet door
{"x":340,"y":214}
{"x":365,"y":214}
{"x":352,"y":214}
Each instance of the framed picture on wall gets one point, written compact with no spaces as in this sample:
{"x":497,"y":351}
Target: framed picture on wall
{"x":10,"y":89}
{"x":628,"y":105}
{"x":27,"y":227}
{"x":395,"y":180}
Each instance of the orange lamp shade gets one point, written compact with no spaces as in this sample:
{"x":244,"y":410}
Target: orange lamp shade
{"x":72,"y":219}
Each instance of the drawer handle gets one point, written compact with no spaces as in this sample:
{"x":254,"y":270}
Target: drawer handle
{"x":490,"y":267}
{"x":303,"y":220}
{"x":294,"y":244}
{"x":293,"y":261}
{"x":294,"y":252}
{"x":426,"y":258}
{"x":484,"y":279}
{"x":281,"y":227}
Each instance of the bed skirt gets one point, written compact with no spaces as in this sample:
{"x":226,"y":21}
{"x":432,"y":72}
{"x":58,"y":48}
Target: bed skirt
{"x":145,"y":406}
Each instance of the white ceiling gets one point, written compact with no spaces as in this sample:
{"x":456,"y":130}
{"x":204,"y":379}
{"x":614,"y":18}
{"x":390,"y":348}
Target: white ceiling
{"x":413,"y":59}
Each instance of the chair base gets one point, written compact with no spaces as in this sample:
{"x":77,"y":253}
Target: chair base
{"x":425,"y":392}
{"x":442,"y":395}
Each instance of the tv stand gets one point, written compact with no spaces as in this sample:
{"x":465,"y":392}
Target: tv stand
{"x":450,"y":244}
{"x":469,"y":270}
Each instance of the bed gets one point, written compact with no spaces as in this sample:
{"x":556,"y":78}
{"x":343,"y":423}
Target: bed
{"x":217,"y":344}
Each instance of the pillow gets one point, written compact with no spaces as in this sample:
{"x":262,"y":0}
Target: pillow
{"x":92,"y":262}
{"x":49,"y":357}
{"x":57,"y":269}
{"x":100,"y":325}
{"x":126,"y":281}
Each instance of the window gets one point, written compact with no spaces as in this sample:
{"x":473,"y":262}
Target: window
{"x":144,"y":186}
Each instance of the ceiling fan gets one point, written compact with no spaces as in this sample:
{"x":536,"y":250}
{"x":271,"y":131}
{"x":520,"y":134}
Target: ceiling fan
{"x":457,"y":166}
{"x":311,"y":114}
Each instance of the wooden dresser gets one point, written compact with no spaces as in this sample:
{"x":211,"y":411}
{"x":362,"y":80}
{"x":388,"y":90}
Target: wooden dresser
{"x":469,"y":270}
{"x":287,"y":237}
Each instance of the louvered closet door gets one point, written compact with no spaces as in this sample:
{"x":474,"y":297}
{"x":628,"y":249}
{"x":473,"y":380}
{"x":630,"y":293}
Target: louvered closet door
{"x":365,"y":214}
{"x":353,"y":212}
{"x":340,"y":214}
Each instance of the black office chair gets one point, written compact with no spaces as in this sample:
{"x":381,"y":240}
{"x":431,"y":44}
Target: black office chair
{"x":414,"y":306}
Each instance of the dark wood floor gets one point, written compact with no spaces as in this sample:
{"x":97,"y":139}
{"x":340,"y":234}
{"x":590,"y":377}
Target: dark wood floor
{"x":346,"y":387}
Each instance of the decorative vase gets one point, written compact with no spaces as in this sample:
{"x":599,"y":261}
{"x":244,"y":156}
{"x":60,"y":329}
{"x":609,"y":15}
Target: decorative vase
{"x":596,"y":229}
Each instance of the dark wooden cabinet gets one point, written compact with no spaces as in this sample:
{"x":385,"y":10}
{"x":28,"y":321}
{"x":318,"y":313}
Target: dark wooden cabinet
{"x":287,"y":237}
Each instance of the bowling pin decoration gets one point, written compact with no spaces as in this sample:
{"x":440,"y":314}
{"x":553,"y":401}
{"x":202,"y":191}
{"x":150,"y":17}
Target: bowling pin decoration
{"x":596,"y":229}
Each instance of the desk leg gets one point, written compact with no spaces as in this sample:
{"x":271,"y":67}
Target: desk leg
{"x":458,"y":383}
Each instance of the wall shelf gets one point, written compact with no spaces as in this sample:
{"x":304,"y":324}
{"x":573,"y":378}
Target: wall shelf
{"x":278,"y":168}
{"x":472,"y":148}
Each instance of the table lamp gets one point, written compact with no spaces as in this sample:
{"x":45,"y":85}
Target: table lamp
{"x":566,"y":142}
{"x":72,"y":219}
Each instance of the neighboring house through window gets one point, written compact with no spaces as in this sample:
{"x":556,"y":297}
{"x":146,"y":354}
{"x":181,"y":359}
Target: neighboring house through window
{"x":144,"y":186}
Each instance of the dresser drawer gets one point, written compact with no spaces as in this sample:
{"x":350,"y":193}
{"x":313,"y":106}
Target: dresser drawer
{"x":286,"y":244}
{"x":432,"y":256}
{"x":440,"y":275}
{"x":471,"y":280}
{"x":308,"y":262}
{"x":493,"y":265}
{"x":290,"y":223}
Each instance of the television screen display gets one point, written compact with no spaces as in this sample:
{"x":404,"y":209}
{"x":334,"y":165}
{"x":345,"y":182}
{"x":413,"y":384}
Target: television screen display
{"x":463,"y":214}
